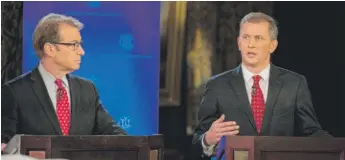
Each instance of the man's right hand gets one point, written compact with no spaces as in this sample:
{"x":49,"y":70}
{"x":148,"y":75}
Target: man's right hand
{"x":220,"y":128}
{"x":3,"y":145}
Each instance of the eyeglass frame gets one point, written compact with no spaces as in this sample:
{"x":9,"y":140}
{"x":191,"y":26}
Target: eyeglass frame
{"x":76,"y":45}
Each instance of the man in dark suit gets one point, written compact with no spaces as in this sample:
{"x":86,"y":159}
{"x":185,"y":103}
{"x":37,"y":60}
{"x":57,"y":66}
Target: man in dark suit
{"x":257,"y":98}
{"x":48,"y":100}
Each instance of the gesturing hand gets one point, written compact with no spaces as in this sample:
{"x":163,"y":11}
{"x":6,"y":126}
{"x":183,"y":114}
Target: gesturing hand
{"x":220,"y":128}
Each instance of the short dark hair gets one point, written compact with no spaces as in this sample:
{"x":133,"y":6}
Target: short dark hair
{"x":259,"y":17}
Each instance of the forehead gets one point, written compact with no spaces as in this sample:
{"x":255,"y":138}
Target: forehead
{"x":69,"y":33}
{"x":255,"y":28}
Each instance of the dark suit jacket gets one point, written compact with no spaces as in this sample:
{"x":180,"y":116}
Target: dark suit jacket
{"x":27,"y":109}
{"x":288,"y":111}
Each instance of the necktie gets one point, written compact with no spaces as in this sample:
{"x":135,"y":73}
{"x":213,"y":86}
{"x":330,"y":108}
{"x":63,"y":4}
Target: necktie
{"x":257,"y":102}
{"x":63,"y":108}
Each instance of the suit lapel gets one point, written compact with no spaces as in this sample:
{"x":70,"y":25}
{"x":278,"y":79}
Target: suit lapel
{"x":275,"y":85}
{"x":74,"y":89}
{"x":42,"y":95}
{"x":237,"y":83}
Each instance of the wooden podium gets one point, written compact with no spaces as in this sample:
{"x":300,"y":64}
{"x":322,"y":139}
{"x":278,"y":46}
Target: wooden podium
{"x":284,"y":148}
{"x":89,"y":147}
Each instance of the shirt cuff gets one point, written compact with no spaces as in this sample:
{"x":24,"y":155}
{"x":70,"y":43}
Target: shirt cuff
{"x":208,"y":150}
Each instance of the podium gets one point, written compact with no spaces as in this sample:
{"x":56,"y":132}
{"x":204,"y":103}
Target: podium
{"x":104,"y":147}
{"x":284,"y":148}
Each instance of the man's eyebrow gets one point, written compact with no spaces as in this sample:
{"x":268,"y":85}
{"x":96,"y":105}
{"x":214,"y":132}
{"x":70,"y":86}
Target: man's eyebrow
{"x":78,"y":41}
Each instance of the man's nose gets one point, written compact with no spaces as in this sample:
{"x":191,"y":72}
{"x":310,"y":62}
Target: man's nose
{"x":81,"y":51}
{"x":251,"y":43}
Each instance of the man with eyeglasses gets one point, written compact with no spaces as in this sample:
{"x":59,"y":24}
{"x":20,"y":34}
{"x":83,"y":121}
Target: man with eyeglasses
{"x":49,"y":100}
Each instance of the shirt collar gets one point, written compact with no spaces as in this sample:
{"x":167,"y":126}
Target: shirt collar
{"x":247,"y":75}
{"x":48,"y":78}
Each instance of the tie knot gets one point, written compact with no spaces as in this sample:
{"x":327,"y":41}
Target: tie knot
{"x":58,"y":82}
{"x":256,"y":78}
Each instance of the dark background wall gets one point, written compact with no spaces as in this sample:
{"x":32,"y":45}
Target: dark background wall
{"x":311,"y":42}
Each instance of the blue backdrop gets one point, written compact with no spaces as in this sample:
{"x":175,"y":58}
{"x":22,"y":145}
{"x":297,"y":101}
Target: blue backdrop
{"x":121,"y":43}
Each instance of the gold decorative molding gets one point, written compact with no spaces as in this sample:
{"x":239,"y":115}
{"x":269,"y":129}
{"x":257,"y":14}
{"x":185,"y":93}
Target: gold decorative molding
{"x":173,"y":20}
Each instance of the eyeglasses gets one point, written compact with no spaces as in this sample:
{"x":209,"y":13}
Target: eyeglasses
{"x":75,"y":45}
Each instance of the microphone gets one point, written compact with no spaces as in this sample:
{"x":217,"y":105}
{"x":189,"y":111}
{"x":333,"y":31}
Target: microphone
{"x":253,"y":90}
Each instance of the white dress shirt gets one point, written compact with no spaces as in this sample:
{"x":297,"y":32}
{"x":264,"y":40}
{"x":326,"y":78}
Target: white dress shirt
{"x":49,"y":82}
{"x":248,"y":81}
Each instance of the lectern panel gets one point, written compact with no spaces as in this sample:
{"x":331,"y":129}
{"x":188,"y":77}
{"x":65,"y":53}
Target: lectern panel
{"x":301,"y":156}
{"x":97,"y":147}
{"x":284,"y":148}
{"x":241,"y":155}
{"x":101,"y":155}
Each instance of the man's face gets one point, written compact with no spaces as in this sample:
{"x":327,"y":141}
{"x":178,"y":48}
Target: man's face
{"x":255,"y":44}
{"x":67,"y":52}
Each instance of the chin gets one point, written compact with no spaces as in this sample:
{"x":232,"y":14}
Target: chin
{"x":250,"y":62}
{"x":76,"y":68}
{"x":73,"y":68}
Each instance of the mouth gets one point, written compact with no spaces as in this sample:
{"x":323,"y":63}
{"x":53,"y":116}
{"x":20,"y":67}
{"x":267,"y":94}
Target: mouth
{"x":251,"y":54}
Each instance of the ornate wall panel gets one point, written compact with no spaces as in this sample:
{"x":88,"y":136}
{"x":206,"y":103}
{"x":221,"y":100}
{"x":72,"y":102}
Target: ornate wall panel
{"x":173,"y":19}
{"x":201,"y":31}
{"x":11,"y":40}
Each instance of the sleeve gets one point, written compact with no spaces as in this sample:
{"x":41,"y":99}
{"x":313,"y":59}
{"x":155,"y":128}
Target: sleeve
{"x":104,"y":124}
{"x":306,"y":121}
{"x":9,"y":114}
{"x":208,"y":113}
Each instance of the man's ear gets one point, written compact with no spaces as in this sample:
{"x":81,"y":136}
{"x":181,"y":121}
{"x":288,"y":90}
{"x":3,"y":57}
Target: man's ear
{"x":49,"y":49}
{"x":238,"y":43}
{"x":274,"y":45}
